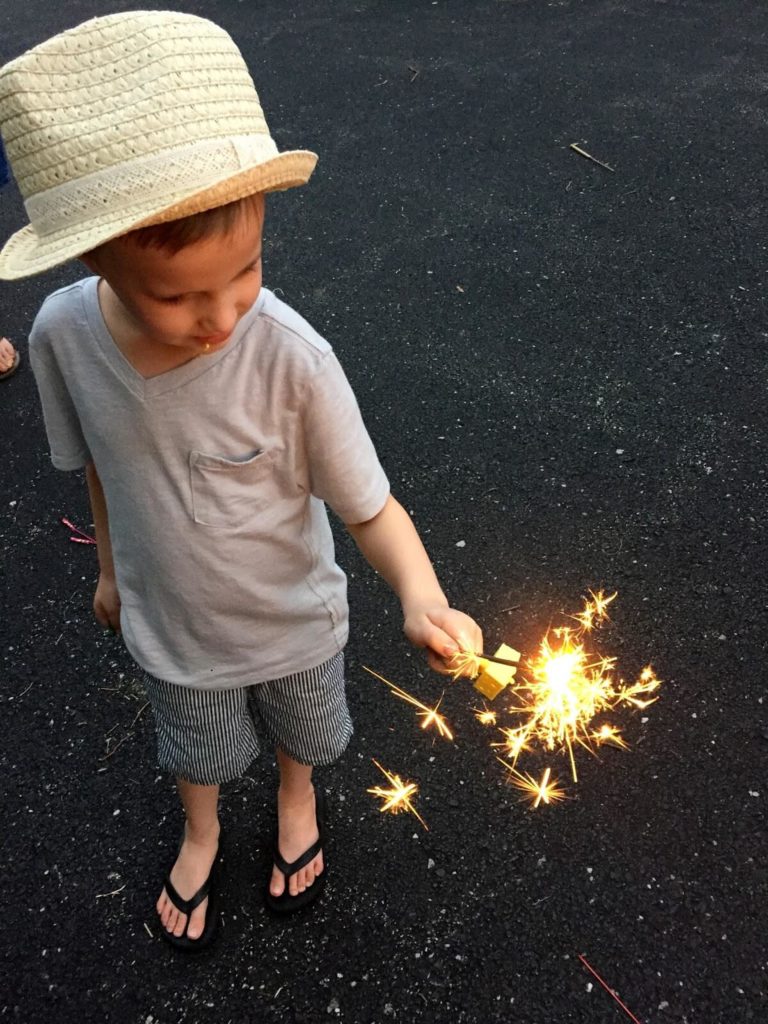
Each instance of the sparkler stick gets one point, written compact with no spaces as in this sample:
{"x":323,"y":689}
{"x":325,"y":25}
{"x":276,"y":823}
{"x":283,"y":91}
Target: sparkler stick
{"x":609,"y":990}
{"x":496,"y":660}
{"x":428,"y":715}
{"x":398,"y":797}
{"x":495,"y":672}
{"x":468,"y":663}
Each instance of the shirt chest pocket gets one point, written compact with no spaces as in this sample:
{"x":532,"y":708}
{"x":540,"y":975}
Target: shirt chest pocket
{"x":228,"y":492}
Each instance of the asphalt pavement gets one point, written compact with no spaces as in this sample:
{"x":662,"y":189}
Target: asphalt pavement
{"x":563,"y":367}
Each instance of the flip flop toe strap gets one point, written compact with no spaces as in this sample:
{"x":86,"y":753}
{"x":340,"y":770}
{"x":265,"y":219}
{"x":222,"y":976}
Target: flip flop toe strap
{"x":187,"y":906}
{"x":306,"y":857}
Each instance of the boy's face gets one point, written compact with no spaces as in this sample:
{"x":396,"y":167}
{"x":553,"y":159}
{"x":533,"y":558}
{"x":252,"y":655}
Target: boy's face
{"x":190,"y":300}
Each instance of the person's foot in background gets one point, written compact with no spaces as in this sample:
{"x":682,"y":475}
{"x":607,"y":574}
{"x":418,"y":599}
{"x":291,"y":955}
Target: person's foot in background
{"x":9,"y":358}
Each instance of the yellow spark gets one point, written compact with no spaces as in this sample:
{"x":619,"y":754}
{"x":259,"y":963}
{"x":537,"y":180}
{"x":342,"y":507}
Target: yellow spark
{"x":610,"y":734}
{"x":536,"y":792}
{"x":647,"y":683}
{"x":429,"y":716}
{"x":594,"y":611}
{"x":397,"y":797}
{"x":515,"y":742}
{"x":485,"y":716}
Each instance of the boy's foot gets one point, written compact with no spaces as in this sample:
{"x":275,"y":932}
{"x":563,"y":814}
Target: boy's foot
{"x":192,"y":868}
{"x":297,"y":818}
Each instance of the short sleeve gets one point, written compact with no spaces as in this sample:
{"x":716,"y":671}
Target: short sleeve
{"x":62,"y":424}
{"x":344,"y":469}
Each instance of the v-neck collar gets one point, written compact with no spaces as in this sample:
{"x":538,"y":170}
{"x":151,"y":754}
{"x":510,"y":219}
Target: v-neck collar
{"x":178,"y":376}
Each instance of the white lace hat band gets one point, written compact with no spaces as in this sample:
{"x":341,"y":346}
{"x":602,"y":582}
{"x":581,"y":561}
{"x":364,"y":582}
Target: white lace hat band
{"x":129,"y":120}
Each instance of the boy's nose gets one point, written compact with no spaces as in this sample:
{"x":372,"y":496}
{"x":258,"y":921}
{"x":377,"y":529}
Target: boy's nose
{"x":219,"y":319}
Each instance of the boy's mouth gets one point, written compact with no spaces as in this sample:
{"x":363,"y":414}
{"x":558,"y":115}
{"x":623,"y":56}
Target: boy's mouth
{"x":212,"y":339}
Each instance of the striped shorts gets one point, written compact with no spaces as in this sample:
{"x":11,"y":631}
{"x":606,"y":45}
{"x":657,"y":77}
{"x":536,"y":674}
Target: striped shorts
{"x":210,"y":736}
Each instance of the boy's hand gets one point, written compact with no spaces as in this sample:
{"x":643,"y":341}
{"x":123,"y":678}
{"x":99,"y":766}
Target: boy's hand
{"x":106,"y":603}
{"x":443,"y":631}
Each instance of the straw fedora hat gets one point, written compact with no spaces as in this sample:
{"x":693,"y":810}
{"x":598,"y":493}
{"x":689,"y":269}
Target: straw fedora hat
{"x":130,"y":120}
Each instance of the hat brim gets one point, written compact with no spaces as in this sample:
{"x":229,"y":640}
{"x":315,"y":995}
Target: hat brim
{"x":26,"y":253}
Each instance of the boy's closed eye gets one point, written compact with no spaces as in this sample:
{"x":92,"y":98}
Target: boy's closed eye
{"x":172,"y":300}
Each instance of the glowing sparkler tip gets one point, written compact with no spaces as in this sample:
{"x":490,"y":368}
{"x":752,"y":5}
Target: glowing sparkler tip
{"x":566,"y":686}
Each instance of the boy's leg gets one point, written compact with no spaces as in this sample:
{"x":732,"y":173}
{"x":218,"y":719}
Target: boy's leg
{"x":197,"y":853}
{"x":207,"y":735}
{"x":297,"y":824}
{"x":306,"y":714}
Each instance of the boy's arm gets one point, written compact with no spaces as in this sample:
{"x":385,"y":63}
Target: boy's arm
{"x":106,"y":601}
{"x":393,"y":548}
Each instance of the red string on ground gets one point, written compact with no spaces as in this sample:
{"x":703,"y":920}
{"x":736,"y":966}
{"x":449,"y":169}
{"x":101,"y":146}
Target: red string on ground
{"x":77,"y":536}
{"x":608,"y":989}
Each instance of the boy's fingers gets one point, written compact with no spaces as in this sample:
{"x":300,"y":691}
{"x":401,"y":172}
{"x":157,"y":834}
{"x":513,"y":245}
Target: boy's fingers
{"x":440,"y":642}
{"x":437,"y":664}
{"x":463,"y":632}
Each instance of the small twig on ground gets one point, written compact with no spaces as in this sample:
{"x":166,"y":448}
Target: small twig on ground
{"x":512,"y":608}
{"x":23,"y":692}
{"x":607,"y":989}
{"x":139,"y":713}
{"x":377,"y":85}
{"x":146,"y":928}
{"x":416,"y":72}
{"x":584,"y":153}
{"x":128,"y":733}
{"x":115,"y":748}
{"x":101,"y":895}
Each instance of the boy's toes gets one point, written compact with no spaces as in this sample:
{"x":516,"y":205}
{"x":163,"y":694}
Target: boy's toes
{"x":170,"y":919}
{"x":277,"y":885}
{"x":197,"y":921}
{"x":179,"y":925}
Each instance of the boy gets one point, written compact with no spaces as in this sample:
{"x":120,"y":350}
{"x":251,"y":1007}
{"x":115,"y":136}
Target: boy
{"x":213,"y":424}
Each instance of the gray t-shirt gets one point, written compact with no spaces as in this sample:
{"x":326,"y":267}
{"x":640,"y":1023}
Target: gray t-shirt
{"x":215,"y":476}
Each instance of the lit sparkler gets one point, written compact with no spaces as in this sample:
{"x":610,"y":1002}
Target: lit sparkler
{"x":429,"y":716}
{"x":536,"y":792}
{"x":464,"y":663}
{"x":397,"y":797}
{"x":567,"y":686}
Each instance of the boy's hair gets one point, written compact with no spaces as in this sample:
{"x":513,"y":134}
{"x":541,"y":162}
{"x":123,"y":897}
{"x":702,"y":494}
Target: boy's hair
{"x":175,"y":235}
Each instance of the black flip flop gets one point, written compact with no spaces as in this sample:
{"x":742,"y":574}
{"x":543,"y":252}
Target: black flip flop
{"x":208,"y":889}
{"x":285,"y":903}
